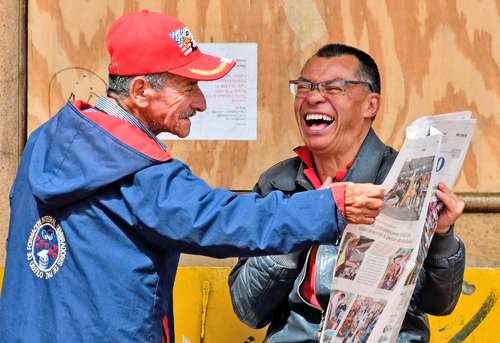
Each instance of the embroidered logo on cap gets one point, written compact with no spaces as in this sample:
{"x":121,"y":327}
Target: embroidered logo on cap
{"x":184,"y":39}
{"x":210,"y":72}
{"x":46,"y":248}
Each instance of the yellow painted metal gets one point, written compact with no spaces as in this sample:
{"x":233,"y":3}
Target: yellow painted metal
{"x":221,"y":325}
{"x":205,"y":291}
{"x":202,"y":308}
{"x":484,"y":301}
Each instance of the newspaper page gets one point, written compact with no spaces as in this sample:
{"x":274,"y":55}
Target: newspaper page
{"x":378,"y":264}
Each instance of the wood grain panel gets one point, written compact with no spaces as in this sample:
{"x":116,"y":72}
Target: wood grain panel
{"x":434,"y":57}
{"x":12,"y":104}
{"x":479,"y":231}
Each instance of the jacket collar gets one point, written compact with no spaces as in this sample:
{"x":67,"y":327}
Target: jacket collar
{"x":368,"y":160}
{"x":364,"y":167}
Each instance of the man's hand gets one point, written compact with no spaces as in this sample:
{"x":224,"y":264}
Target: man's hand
{"x":363,"y":202}
{"x":453,"y":208}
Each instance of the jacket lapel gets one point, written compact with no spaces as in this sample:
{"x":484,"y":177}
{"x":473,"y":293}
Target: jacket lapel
{"x":368,"y":160}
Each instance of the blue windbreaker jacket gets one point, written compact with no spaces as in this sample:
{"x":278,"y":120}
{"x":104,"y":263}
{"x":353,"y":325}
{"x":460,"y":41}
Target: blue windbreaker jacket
{"x":99,"y":216}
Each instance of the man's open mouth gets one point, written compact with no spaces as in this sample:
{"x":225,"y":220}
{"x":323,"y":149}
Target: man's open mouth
{"x":318,"y":121}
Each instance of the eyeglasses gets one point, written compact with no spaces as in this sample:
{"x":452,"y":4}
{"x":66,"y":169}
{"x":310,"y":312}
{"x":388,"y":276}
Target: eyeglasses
{"x":301,"y":88}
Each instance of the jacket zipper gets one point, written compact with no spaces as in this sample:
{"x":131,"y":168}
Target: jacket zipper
{"x":302,"y":277}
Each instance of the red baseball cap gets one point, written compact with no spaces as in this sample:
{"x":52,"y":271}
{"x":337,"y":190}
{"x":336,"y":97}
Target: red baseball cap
{"x":148,"y":43}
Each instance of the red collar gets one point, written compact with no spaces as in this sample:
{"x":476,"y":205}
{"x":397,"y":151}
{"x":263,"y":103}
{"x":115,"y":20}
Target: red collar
{"x":305,"y":155}
{"x":124,"y":132}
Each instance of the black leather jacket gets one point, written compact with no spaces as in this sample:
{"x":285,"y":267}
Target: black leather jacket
{"x":265,"y":290}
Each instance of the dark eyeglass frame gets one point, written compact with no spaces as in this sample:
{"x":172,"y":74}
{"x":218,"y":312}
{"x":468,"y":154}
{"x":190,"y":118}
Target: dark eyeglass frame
{"x":321,"y":86}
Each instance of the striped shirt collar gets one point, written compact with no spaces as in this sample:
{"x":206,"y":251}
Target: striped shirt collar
{"x":110,"y":107}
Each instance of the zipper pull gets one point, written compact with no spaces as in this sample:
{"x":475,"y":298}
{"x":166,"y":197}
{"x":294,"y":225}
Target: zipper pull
{"x":318,"y":334}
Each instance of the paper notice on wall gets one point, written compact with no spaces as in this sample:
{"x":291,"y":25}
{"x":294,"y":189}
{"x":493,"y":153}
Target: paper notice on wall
{"x":231,"y":101}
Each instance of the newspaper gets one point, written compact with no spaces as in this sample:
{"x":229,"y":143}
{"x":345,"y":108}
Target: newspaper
{"x":378,"y":264}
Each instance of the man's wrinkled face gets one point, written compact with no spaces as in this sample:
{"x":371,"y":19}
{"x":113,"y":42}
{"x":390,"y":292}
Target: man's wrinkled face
{"x":332,"y":123}
{"x":172,"y":107}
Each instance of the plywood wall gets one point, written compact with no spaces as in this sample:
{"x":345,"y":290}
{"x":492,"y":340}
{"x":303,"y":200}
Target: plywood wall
{"x":12,"y":104}
{"x":434,"y":56}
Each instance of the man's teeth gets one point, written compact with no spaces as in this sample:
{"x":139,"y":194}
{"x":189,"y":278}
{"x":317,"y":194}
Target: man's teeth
{"x":187,"y":115}
{"x":314,"y":116}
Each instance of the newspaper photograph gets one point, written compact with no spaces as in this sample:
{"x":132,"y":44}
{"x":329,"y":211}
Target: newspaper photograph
{"x":378,"y":264}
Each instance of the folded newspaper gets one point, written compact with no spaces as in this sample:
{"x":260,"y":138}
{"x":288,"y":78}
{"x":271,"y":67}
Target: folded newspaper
{"x":378,"y":264}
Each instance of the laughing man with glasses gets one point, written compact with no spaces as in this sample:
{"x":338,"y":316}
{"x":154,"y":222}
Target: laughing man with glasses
{"x":336,"y":99}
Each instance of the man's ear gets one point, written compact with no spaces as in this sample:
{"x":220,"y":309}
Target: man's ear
{"x":372,"y":105}
{"x":140,"y":92}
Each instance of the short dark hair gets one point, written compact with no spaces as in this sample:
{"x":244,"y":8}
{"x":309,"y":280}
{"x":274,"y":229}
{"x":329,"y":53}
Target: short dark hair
{"x":367,"y":67}
{"x":120,"y":84}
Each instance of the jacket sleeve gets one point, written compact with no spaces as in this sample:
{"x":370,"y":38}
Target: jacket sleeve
{"x":175,"y":209}
{"x":440,"y":280}
{"x":260,"y":285}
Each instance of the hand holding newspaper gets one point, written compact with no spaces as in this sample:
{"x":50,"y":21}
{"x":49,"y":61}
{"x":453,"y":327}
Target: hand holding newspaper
{"x":378,"y":264}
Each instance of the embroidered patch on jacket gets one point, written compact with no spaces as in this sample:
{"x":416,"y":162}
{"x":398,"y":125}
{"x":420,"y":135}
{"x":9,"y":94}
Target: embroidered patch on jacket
{"x":184,"y":40}
{"x":46,"y":248}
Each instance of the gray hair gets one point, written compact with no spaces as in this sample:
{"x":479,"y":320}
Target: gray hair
{"x":120,"y":84}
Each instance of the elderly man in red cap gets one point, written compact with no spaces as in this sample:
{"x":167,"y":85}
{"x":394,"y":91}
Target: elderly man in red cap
{"x":100,"y":211}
